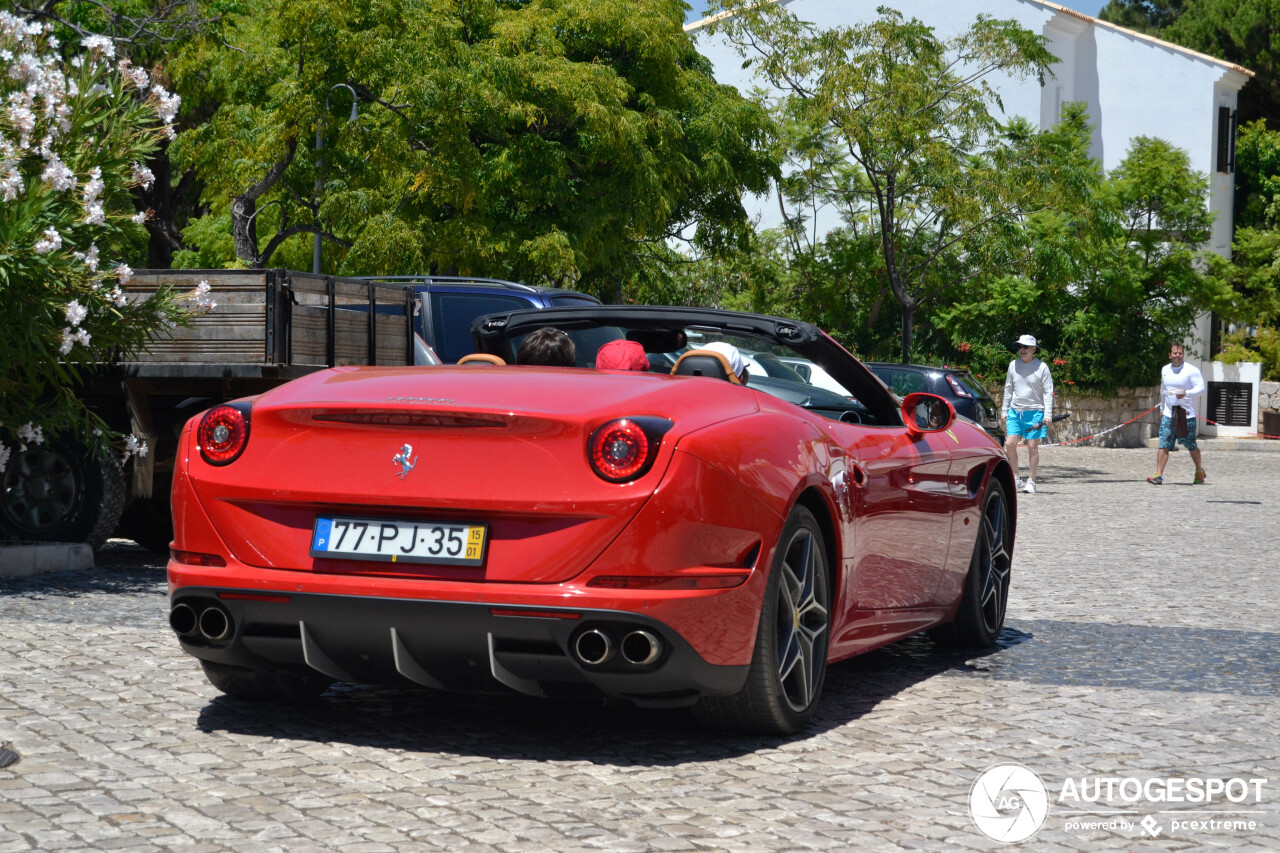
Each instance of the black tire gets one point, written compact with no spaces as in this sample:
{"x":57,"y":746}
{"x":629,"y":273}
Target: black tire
{"x":261,"y":686}
{"x":61,"y":492}
{"x":980,"y":616}
{"x":784,"y":683}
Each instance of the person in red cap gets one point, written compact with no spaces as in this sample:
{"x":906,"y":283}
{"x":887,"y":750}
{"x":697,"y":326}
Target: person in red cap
{"x":622,"y":355}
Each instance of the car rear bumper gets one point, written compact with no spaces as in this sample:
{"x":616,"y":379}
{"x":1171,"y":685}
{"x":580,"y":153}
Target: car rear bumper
{"x":449,"y":645}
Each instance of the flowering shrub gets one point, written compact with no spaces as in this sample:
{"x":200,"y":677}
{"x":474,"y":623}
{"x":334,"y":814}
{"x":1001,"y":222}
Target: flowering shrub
{"x":74,"y":138}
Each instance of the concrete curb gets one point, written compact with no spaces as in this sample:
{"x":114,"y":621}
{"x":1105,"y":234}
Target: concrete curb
{"x":19,"y":561}
{"x":1216,"y":444}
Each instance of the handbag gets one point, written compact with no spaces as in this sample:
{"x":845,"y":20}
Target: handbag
{"x":1179,"y":422}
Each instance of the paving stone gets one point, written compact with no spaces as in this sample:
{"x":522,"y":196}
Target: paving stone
{"x":1142,"y":640}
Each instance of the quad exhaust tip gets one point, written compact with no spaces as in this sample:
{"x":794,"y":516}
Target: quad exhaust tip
{"x":594,"y":647}
{"x":183,"y":620}
{"x":597,"y":647}
{"x":641,"y":648}
{"x":212,"y":622}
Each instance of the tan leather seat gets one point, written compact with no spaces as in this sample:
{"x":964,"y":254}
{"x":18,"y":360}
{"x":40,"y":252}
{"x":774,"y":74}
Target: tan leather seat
{"x":480,"y":358}
{"x":701,"y":362}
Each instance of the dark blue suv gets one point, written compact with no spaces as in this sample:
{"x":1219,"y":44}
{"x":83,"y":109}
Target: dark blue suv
{"x":446,"y":305}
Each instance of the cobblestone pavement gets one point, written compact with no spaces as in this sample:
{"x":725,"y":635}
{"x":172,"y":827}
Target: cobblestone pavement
{"x":1141,"y":643}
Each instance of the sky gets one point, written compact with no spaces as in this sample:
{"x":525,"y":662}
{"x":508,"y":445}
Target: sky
{"x":1088,"y":7}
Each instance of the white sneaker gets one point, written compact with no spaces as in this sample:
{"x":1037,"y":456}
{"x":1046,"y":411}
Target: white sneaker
{"x":1018,"y":483}
{"x":1030,"y":487}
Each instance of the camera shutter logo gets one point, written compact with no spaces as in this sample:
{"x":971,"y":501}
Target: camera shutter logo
{"x":1008,"y":803}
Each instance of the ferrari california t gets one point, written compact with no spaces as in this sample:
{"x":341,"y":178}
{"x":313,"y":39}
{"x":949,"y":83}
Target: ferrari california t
{"x":697,"y":536}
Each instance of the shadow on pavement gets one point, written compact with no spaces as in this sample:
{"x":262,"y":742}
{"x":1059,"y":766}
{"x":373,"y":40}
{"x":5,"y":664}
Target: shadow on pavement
{"x":522,"y":728}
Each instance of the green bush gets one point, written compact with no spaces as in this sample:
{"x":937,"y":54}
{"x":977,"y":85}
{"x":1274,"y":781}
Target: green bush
{"x":74,"y":138}
{"x":1262,"y":345}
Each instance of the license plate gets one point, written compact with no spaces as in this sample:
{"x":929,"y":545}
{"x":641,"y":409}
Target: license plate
{"x":394,"y":541}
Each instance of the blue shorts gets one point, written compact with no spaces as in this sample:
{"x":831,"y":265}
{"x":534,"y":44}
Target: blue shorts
{"x":1167,"y":441}
{"x":1029,"y":424}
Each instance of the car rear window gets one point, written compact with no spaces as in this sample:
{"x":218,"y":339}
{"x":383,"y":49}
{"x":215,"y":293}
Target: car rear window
{"x":452,"y":314}
{"x":901,"y":382}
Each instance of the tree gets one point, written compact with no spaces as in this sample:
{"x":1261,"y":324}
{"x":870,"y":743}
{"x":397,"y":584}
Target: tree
{"x":1145,"y":16}
{"x":145,"y":32}
{"x":556,"y":140}
{"x":1109,"y":279}
{"x":909,"y":148}
{"x":73,"y":142}
{"x":1246,"y":32}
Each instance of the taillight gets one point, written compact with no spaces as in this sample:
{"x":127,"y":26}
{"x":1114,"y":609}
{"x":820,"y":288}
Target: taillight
{"x":625,"y":448}
{"x":958,"y":387}
{"x":223,"y":433}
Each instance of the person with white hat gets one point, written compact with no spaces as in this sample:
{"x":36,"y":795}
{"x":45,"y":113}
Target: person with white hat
{"x":1028,"y":409}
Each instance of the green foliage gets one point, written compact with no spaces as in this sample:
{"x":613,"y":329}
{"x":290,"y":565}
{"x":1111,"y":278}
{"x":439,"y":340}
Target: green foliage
{"x":1145,"y":16}
{"x":1106,"y":282}
{"x":1246,"y":32}
{"x":72,"y":142}
{"x":896,"y":131}
{"x":1262,"y":344}
{"x":557,"y":141}
{"x":1257,"y":176}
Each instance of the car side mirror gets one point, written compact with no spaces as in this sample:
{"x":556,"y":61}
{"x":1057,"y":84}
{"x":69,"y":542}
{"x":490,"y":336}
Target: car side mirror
{"x":926,"y":413}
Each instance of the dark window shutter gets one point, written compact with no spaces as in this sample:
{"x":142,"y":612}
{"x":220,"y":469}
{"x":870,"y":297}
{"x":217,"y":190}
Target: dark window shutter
{"x":1226,"y":139}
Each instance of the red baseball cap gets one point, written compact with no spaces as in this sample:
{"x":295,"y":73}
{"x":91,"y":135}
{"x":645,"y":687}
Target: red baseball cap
{"x":622,"y":355}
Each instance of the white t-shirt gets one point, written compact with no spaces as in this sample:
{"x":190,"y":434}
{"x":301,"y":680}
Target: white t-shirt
{"x":1186,"y":379}
{"x":1028,"y":386}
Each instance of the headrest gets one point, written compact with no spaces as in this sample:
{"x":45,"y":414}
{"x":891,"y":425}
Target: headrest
{"x":701,"y":362}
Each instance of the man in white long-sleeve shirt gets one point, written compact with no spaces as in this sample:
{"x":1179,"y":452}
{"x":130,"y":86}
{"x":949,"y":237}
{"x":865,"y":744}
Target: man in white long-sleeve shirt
{"x":1028,"y":409}
{"x":1180,"y":383}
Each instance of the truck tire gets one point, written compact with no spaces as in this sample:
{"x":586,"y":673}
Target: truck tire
{"x":60,"y":492}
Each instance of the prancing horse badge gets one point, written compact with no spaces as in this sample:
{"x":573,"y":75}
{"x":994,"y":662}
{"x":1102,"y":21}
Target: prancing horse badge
{"x":404,"y":461}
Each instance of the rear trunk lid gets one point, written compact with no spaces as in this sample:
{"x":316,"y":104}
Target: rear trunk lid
{"x":504,"y":447}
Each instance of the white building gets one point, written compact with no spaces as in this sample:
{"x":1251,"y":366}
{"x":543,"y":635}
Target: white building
{"x":1133,"y":84}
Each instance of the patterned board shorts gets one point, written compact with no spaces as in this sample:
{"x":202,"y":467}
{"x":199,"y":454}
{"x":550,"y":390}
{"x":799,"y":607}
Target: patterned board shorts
{"x":1166,"y":434}
{"x":1030,"y":425}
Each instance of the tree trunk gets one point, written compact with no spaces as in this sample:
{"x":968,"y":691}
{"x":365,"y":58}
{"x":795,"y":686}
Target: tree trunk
{"x":908,"y":325}
{"x":244,"y":210}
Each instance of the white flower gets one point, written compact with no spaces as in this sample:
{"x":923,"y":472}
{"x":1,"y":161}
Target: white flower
{"x":166,"y":104}
{"x":143,"y":176}
{"x":199,"y":297}
{"x":132,"y":445}
{"x":124,"y":273}
{"x":82,"y":337}
{"x":100,"y":43}
{"x":76,"y":312}
{"x":94,"y":186}
{"x":68,"y":341}
{"x":31,"y":434}
{"x":139,"y":217}
{"x":4,"y":457}
{"x":90,"y":258}
{"x":51,"y":242}
{"x":57,"y":175}
{"x":134,"y":75}
{"x":117,"y":296}
{"x":94,"y":214}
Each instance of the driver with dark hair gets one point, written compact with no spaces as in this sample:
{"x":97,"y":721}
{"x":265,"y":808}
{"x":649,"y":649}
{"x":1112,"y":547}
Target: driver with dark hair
{"x":547,"y":346}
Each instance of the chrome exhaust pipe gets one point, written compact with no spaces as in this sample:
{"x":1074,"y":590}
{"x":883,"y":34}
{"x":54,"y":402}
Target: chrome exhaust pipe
{"x":594,"y":647}
{"x":182,"y":619}
{"x":215,"y":624}
{"x":641,"y":648}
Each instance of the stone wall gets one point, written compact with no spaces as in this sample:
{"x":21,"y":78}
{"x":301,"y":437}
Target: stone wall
{"x":1091,"y":415}
{"x":1269,"y":396}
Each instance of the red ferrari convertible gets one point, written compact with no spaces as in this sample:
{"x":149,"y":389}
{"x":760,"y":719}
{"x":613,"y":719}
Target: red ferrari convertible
{"x":691,"y":534}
